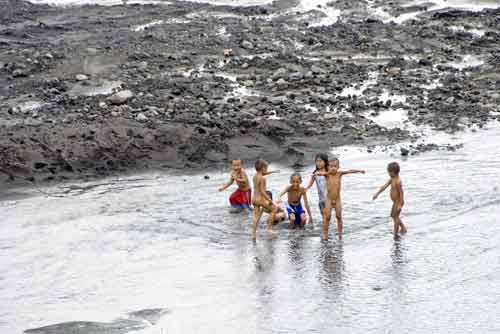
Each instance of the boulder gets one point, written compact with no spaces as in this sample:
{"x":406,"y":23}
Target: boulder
{"x":81,"y":77}
{"x":121,"y":97}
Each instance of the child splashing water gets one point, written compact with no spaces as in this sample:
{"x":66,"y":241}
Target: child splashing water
{"x":296,"y":193}
{"x":321,"y":162}
{"x":333,"y":200}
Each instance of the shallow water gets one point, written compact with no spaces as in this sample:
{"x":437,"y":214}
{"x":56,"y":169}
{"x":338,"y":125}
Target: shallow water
{"x":100,"y":250}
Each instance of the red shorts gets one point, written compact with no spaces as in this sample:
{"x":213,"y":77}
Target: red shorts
{"x":241,"y":199}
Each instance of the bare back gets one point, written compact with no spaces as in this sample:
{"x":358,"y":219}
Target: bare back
{"x":260,"y":198}
{"x":396,"y":186}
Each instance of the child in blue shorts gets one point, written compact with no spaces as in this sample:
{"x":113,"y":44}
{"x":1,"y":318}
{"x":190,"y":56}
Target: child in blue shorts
{"x":294,"y":207}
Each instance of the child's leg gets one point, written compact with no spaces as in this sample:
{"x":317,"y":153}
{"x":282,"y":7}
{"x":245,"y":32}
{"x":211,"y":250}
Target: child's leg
{"x":402,"y":227}
{"x":257,"y":214}
{"x":395,"y":219}
{"x":302,"y":219}
{"x":326,"y":218}
{"x":338,"y":215}
{"x":270,"y":220}
{"x":291,"y":218}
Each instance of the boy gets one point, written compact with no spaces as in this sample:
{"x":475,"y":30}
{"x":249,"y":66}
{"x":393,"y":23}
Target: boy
{"x":295,"y":193}
{"x":241,"y":198}
{"x":333,"y":200}
{"x":261,"y":200}
{"x":397,"y":196}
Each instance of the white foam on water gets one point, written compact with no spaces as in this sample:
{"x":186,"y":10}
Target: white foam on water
{"x":473,"y":6}
{"x":390,"y":119}
{"x":475,"y":32}
{"x":145,"y":26}
{"x":433,"y":85}
{"x":331,"y":15}
{"x":358,"y":89}
{"x":467,"y":61}
{"x":99,"y":2}
{"x":395,"y":98}
{"x":234,"y":3}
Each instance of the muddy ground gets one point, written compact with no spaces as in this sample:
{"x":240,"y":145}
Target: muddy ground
{"x":90,"y":91}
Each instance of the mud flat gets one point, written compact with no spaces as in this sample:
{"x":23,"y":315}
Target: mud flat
{"x":89,"y":91}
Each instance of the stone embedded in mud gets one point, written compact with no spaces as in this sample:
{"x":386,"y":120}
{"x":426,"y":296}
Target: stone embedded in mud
{"x":247,"y":45}
{"x":404,"y":152}
{"x":121,"y":97}
{"x":81,"y":77}
{"x":141,"y":117}
{"x":19,"y":73}
{"x":280,"y":73}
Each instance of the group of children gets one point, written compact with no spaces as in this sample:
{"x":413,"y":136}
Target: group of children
{"x":328,"y":180}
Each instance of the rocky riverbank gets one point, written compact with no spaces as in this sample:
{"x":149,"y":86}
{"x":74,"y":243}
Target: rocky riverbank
{"x":93,"y":90}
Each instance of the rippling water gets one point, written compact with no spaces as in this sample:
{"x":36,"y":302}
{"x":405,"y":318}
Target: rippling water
{"x":96,"y":251}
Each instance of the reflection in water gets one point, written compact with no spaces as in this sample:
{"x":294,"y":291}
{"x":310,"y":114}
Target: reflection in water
{"x":398,"y":298}
{"x":331,"y":258}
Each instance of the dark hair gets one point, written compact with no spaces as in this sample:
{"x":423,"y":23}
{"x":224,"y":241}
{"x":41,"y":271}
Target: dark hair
{"x":321,"y":156}
{"x":393,"y":167}
{"x":296,"y":175}
{"x":259,"y":164}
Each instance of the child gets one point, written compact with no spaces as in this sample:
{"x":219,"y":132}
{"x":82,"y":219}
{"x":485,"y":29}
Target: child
{"x":241,"y":198}
{"x":295,"y":193}
{"x":397,"y":196}
{"x":321,"y":161}
{"x":333,"y":200}
{"x":261,"y":200}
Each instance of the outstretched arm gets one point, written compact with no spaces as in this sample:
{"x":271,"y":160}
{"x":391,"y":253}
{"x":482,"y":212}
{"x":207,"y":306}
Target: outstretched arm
{"x":271,"y":172}
{"x":381,"y":190}
{"x":308,"y":208}
{"x":286,"y":190}
{"x":311,"y":182}
{"x":353,"y":171}
{"x":228,"y":184}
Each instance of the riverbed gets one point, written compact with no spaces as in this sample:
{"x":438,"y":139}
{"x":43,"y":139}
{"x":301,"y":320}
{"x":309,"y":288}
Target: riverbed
{"x":100,"y":250}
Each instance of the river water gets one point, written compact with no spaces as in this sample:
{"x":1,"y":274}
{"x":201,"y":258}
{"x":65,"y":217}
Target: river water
{"x":96,"y":251}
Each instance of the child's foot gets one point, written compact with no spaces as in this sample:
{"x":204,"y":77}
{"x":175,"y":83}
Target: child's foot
{"x":271,"y":231}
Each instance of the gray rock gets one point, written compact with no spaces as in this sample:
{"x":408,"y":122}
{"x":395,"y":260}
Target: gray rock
{"x":247,"y":45}
{"x":280,"y":73}
{"x":81,"y":77}
{"x":121,"y":97}
{"x":317,"y":70}
{"x":141,"y":117}
{"x":19,"y":73}
{"x":205,"y":115}
{"x":282,"y":84}
{"x":297,"y":76}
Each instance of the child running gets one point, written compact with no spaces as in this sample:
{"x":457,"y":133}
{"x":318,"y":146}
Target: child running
{"x":397,"y":196}
{"x":321,"y":161}
{"x":333,"y":200}
{"x":261,"y":200}
{"x":295,"y":193}
{"x":241,"y":198}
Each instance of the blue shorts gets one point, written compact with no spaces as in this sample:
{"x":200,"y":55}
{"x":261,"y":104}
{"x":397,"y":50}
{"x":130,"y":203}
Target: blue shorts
{"x":297,"y":210}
